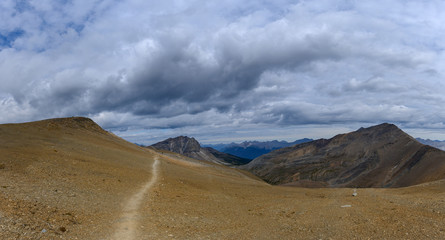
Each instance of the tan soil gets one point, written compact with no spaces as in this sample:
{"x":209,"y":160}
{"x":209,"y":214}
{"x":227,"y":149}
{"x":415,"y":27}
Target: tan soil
{"x":130,"y":219}
{"x":74,"y":183}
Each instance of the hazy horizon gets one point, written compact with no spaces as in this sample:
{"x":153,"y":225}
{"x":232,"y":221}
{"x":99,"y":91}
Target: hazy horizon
{"x":288,"y":135}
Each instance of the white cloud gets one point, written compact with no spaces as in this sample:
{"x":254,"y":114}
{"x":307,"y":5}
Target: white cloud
{"x":179,"y":64}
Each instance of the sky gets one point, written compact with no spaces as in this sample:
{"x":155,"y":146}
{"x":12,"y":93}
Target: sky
{"x":224,"y":71}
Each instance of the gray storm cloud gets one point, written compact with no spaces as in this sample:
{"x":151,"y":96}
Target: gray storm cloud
{"x":146,"y":64}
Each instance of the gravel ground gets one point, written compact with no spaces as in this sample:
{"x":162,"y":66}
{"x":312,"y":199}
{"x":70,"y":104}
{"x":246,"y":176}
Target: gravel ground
{"x":69,"y":182}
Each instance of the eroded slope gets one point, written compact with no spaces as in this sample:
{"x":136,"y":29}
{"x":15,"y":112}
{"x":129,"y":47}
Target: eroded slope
{"x":379,"y":156}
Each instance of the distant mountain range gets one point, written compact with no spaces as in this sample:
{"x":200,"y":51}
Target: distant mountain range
{"x":379,"y":156}
{"x":254,"y":149}
{"x":434,"y":143}
{"x":190,"y":147}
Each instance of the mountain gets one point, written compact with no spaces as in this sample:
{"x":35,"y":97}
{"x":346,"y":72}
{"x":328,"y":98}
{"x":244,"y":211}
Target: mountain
{"x":70,"y":179}
{"x":379,"y":156}
{"x":254,"y":149}
{"x":191,"y":148}
{"x":59,"y":175}
{"x":434,"y":143}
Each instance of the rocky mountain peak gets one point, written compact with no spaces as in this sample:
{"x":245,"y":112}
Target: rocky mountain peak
{"x":378,"y":156}
{"x":190,"y":147}
{"x":181,"y":145}
{"x":381,"y":129}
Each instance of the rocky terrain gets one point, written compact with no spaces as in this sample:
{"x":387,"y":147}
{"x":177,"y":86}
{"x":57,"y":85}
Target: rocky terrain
{"x":191,"y":148}
{"x":69,"y":179}
{"x":379,"y":156}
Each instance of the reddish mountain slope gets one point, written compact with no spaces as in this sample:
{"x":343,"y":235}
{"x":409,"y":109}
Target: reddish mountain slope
{"x":379,"y":156}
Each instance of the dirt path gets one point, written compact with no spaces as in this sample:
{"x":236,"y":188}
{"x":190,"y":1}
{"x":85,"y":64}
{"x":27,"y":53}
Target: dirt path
{"x":129,"y":220}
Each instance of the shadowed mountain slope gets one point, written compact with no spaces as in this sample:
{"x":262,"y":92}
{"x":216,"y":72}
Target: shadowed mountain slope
{"x":379,"y":156}
{"x":191,"y":148}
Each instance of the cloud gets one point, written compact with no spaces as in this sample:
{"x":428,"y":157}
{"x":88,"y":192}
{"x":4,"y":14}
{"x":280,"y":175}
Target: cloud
{"x":376,"y":84}
{"x":181,"y":64}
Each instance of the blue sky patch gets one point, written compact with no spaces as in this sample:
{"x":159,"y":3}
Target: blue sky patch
{"x":7,"y":39}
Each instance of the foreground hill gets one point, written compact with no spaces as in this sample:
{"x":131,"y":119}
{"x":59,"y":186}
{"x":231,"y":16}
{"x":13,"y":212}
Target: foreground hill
{"x":65,"y":178}
{"x":191,"y":148}
{"x":254,"y":149}
{"x":379,"y":156}
{"x":69,"y":179}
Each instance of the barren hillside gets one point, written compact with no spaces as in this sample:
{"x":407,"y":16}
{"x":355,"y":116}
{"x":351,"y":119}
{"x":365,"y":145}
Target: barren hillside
{"x":69,"y":179}
{"x":378,"y":156}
